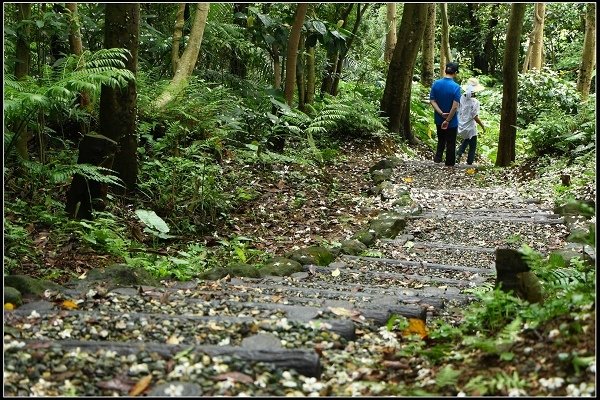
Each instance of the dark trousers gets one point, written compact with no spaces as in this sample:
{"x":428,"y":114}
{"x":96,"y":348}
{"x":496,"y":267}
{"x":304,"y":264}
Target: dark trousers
{"x":446,"y":140}
{"x":472,"y":143}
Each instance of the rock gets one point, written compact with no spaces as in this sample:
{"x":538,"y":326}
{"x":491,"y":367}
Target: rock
{"x":119,"y":275}
{"x":386,"y":163}
{"x":353,"y":247}
{"x":300,"y":275}
{"x":387,"y":226}
{"x":243,"y":269}
{"x":261,"y":341}
{"x":403,"y":201}
{"x":12,"y":296}
{"x":514,"y":274}
{"x":316,"y":255}
{"x":28,"y":285}
{"x":381,"y":175}
{"x":366,"y":237}
{"x":582,"y":235}
{"x":176,"y":389}
{"x":214,"y":274}
{"x":280,"y":266}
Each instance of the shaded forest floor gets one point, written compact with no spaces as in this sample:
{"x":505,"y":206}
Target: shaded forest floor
{"x":298,"y":205}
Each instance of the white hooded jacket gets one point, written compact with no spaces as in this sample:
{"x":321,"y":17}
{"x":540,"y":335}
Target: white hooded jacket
{"x":467,"y":111}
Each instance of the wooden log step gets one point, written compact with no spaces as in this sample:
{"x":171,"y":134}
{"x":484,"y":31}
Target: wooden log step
{"x":444,"y":246}
{"x":481,"y":271}
{"x":304,"y":361}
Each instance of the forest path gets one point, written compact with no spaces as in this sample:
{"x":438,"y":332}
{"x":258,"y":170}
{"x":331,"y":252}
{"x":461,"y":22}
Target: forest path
{"x":318,"y":332}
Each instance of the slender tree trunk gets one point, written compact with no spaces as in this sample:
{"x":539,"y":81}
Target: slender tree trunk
{"x":311,"y":75}
{"x":396,"y":97}
{"x":390,"y":37}
{"x":276,"y":66}
{"x":428,"y":47}
{"x":528,"y":54}
{"x":510,"y":69}
{"x":187,"y":62}
{"x":237,"y":66}
{"x":58,"y":47}
{"x":588,"y":58}
{"x":332,"y":56}
{"x":76,"y":47}
{"x":342,"y":57}
{"x":300,"y":77}
{"x":177,"y":34}
{"x":292,"y":53}
{"x":445,"y":54}
{"x":23,"y":55}
{"x":537,"y":44}
{"x":116,"y":145}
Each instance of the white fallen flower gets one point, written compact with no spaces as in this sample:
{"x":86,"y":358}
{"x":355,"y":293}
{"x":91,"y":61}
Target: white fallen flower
{"x":552,"y":383}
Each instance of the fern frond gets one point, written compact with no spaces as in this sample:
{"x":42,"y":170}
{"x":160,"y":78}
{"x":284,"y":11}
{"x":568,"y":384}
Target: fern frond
{"x":62,"y":173}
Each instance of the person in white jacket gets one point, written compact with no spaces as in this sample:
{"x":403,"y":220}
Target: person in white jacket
{"x":468,"y":115}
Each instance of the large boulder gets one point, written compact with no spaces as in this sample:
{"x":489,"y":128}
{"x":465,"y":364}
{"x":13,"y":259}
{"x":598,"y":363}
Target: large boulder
{"x":12,"y":296}
{"x":366,"y":237}
{"x":315,"y":255}
{"x":386,"y":163}
{"x":387,"y":225}
{"x":352,"y":247}
{"x":280,"y":266}
{"x":28,"y":285}
{"x":121,"y":275}
{"x":380,"y":176}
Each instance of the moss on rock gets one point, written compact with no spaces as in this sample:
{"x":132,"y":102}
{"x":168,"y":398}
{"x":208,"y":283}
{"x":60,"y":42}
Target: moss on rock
{"x":28,"y":285}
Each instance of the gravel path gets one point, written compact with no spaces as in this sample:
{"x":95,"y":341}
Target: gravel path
{"x":318,"y":333}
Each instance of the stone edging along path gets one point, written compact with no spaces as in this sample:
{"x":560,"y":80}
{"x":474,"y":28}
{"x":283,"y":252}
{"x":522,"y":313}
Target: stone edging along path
{"x":120,"y":332}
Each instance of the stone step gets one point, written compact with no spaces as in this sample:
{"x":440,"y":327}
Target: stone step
{"x":440,"y":245}
{"x":503,"y":218}
{"x":305,"y":361}
{"x":130,"y":322}
{"x":481,"y":271}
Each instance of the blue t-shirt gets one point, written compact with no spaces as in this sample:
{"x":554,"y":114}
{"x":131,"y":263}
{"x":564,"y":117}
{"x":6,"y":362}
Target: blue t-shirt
{"x":444,"y":91}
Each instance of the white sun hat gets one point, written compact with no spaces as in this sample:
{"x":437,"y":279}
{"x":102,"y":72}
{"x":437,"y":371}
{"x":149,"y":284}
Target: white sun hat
{"x":473,"y":85}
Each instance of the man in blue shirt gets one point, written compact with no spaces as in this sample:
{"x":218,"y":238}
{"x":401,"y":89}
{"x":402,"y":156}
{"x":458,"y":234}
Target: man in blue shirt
{"x":445,"y":98}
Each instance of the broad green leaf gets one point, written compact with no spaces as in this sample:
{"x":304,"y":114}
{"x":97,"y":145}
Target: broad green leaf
{"x":152,"y":220}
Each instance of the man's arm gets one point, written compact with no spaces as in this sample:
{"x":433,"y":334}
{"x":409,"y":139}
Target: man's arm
{"x":450,"y":114}
{"x":436,"y":107}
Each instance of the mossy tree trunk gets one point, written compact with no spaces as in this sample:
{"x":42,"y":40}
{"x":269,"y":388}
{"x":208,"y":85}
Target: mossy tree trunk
{"x":588,"y":59}
{"x":396,"y":97}
{"x":177,"y":34}
{"x":510,"y":70}
{"x":390,"y":37}
{"x":292,"y":52}
{"x":428,"y":47}
{"x":22,"y":65}
{"x":76,"y":47}
{"x":188,"y":59}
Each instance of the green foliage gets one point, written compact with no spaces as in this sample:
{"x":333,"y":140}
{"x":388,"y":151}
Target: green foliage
{"x":447,"y":376}
{"x":541,"y":91}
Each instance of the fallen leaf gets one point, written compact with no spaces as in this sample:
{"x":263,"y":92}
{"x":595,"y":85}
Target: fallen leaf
{"x":118,"y":383}
{"x":335,"y":272}
{"x":234,"y":376}
{"x":409,"y":244}
{"x":281,"y":184}
{"x":142,"y":385}
{"x":415,"y":326}
{"x":408,"y":179}
{"x":9,"y":306}
{"x":173,"y":339}
{"x":69,"y":305}
{"x":470,"y":171}
{"x":342,"y":311}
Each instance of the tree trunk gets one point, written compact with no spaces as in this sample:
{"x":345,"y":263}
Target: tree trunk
{"x":76,"y":47}
{"x":510,"y":70}
{"x":292,"y":52}
{"x":428,"y":47}
{"x":390,"y":38}
{"x":276,"y":66}
{"x":537,"y":44}
{"x":342,"y":57}
{"x":396,"y":97}
{"x":118,"y":107}
{"x":310,"y":75}
{"x":332,"y":57}
{"x":445,"y":54}
{"x":177,"y":34}
{"x":22,"y":64}
{"x":58,"y":47}
{"x":588,"y":58}
{"x":300,"y":78}
{"x":237,"y":66}
{"x":187,"y":62}
{"x":116,"y":145}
